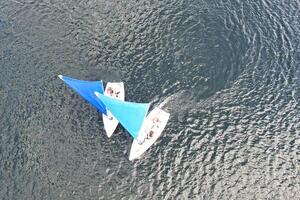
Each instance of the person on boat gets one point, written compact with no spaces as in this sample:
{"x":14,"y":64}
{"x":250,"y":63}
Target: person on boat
{"x":155,"y":123}
{"x":110,"y":91}
{"x":150,"y":134}
{"x":117,"y":94}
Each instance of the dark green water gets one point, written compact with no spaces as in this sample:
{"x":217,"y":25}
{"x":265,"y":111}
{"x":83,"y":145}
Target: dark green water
{"x":227,"y":71}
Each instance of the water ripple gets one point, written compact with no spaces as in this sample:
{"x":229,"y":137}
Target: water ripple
{"x":227,"y":71}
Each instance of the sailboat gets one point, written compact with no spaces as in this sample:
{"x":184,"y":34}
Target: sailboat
{"x":87,"y":88}
{"x":145,"y":129}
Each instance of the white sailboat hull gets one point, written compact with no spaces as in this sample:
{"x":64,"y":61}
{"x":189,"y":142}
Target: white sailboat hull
{"x":109,"y":121}
{"x":155,"y":121}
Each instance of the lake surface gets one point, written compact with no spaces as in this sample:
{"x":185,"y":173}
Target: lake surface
{"x":227,"y":71}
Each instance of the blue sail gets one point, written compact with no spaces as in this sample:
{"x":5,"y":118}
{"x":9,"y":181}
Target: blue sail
{"x":130,"y":115}
{"x":86,"y":89}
